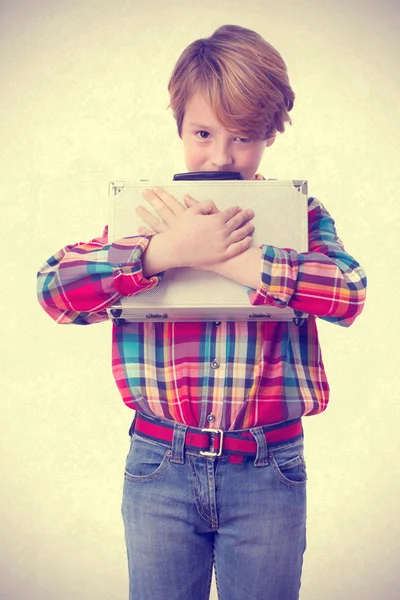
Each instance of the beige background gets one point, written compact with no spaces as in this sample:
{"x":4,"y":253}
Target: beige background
{"x":83,"y":101}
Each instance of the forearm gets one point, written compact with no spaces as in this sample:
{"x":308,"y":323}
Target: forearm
{"x":328,"y":285}
{"x":161,"y":254}
{"x":331,"y":287}
{"x":244,"y":268}
{"x":325,"y":281}
{"x":79,"y":282}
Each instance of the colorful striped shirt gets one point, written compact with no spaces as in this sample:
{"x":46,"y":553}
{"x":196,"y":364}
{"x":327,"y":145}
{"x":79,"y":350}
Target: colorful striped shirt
{"x":228,"y":375}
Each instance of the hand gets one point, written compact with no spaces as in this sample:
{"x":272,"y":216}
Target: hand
{"x":202,"y":235}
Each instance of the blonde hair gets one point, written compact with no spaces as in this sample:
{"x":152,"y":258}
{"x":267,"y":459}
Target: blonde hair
{"x":244,"y":78}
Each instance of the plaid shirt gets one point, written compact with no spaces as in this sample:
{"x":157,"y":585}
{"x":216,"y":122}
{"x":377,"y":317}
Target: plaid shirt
{"x":232,"y":375}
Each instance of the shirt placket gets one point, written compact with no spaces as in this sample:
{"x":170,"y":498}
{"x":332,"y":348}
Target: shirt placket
{"x":218,"y":365}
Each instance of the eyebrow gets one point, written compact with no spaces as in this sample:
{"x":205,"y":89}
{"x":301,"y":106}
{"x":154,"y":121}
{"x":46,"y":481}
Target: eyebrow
{"x":199,"y":125}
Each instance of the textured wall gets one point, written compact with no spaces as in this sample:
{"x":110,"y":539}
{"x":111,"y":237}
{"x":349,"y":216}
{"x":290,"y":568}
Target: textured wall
{"x":83,"y":101}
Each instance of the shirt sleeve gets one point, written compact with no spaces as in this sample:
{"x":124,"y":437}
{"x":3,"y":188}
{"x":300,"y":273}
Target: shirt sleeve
{"x":325,"y":281}
{"x":82,"y":280}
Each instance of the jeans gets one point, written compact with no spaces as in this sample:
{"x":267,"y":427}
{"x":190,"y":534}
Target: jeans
{"x":184,"y":513}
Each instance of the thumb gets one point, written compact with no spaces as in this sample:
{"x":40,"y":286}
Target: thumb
{"x":207,"y":207}
{"x":189,"y":201}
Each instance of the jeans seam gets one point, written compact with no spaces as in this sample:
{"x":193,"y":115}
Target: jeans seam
{"x":210,"y":576}
{"x":148,"y":478}
{"x":216,"y":578}
{"x":211,"y":495}
{"x":285,"y":480}
{"x":197,"y":502}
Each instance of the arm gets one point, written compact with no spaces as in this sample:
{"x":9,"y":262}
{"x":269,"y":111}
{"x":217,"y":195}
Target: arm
{"x":79,"y":282}
{"x":325,"y":281}
{"x":197,"y":236}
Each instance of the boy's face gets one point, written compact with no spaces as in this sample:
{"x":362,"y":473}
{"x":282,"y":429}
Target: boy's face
{"x":210,"y":147}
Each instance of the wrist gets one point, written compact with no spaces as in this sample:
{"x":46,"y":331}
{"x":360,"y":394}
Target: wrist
{"x":161,"y":254}
{"x":244,"y":268}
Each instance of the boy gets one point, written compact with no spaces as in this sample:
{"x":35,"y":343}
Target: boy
{"x":215,"y":474}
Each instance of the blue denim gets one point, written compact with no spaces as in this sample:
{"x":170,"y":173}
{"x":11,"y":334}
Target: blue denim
{"x":184,"y":513}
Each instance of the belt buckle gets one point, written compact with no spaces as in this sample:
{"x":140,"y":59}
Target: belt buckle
{"x":221,"y":441}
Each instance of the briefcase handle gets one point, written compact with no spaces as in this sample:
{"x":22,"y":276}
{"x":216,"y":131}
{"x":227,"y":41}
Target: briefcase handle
{"x":207,"y":175}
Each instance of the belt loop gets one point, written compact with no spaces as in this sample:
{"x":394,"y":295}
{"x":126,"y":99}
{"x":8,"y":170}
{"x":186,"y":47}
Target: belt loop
{"x":178,"y":443}
{"x":262,"y":450}
{"x":132,"y":427}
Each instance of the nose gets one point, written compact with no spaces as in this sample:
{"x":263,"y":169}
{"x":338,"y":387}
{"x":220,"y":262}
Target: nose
{"x":222,"y":157}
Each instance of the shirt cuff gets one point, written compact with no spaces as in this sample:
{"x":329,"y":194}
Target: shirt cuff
{"x":279,"y":273}
{"x":124,"y":256}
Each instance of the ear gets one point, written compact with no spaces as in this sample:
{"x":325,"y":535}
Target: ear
{"x":269,"y":142}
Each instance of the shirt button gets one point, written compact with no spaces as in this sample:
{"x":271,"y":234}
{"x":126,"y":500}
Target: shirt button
{"x":211,"y":418}
{"x":217,"y":323}
{"x":215,"y":364}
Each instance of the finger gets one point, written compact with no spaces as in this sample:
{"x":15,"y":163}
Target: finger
{"x":206,"y":207}
{"x":238,"y":248}
{"x":144,"y":231}
{"x":155,"y":224}
{"x":215,"y":210}
{"x":189,"y":201}
{"x":230,"y":212}
{"x":241,"y":233}
{"x":159,"y":205}
{"x":240,"y":219}
{"x":169,"y":200}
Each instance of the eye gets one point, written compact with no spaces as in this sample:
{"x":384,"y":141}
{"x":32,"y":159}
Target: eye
{"x":202,"y":134}
{"x":243,"y":140}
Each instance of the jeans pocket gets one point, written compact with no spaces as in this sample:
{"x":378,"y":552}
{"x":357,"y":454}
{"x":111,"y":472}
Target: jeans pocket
{"x":146,"y":460}
{"x":289,"y":465}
